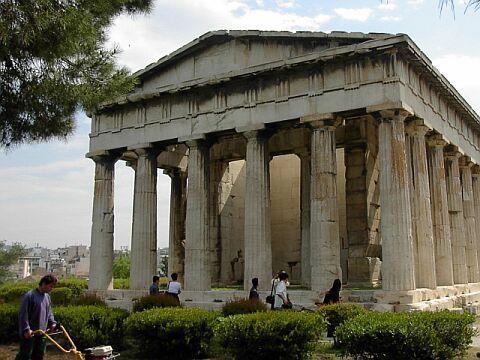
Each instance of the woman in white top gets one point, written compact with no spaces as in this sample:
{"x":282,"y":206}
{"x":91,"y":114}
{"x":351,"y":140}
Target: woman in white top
{"x":282,"y":300}
{"x":174,"y":288}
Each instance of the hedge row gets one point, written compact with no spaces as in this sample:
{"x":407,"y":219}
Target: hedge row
{"x":419,"y":335}
{"x":65,"y":290}
{"x":270,"y":335}
{"x":92,"y":325}
{"x":170,"y":333}
{"x":193,"y":333}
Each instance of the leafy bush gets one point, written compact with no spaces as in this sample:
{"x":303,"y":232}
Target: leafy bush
{"x":92,"y":325}
{"x":61,"y":296}
{"x":337,"y":314}
{"x":270,"y":335}
{"x":8,"y":323}
{"x":88,"y":299}
{"x":78,"y":286}
{"x":243,"y":306}
{"x":12,"y":293}
{"x":170,"y":333}
{"x":153,"y":301}
{"x":420,"y":335}
{"x":121,"y":283}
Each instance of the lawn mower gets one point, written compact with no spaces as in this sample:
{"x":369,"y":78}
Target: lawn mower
{"x":95,"y":353}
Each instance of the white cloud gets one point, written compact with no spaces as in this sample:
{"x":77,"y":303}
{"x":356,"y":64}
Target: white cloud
{"x":391,"y":18}
{"x":415,"y":2}
{"x":145,"y":45}
{"x":387,"y":6}
{"x":460,"y":71}
{"x":285,"y":4}
{"x":361,"y":15}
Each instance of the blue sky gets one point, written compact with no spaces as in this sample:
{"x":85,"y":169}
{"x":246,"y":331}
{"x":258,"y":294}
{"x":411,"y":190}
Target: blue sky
{"x":46,"y":189}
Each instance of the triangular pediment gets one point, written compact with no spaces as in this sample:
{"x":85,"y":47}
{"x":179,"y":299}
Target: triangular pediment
{"x":221,"y":52}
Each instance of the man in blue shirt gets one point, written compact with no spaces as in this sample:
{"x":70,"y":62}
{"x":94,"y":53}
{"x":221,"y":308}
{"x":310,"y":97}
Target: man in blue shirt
{"x":35,"y":314}
{"x":154,"y":290}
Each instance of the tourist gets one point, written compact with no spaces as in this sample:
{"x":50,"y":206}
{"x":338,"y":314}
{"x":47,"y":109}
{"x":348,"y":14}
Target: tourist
{"x":36,"y":314}
{"x":154,"y":290}
{"x":174,"y":288}
{"x":282,"y":301}
{"x":253,"y":291}
{"x":333,"y":295}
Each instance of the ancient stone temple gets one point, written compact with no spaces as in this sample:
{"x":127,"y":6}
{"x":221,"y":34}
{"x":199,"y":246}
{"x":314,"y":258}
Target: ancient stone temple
{"x":340,"y":155}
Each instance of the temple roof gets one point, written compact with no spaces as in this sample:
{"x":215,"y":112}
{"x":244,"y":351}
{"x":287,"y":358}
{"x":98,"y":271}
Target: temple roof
{"x":220,"y":36}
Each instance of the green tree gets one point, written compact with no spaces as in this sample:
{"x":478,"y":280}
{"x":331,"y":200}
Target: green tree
{"x":121,"y":267}
{"x":164,"y":266}
{"x":475,"y":4}
{"x":53,"y":61}
{"x":8,"y":257}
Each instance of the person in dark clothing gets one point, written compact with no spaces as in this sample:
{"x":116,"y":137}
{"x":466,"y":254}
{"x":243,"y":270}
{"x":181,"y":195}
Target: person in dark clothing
{"x":333,"y":295}
{"x":253,"y":291}
{"x":35,"y":314}
{"x":154,"y":290}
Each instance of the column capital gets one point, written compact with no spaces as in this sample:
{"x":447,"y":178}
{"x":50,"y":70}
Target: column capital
{"x":436,"y":140}
{"x":451,"y":152}
{"x":102,"y":156}
{"x":390,"y":110}
{"x":465,"y":161}
{"x":328,"y":121}
{"x":476,"y":171}
{"x":145,"y":149}
{"x":196,"y":143}
{"x":417,"y":127}
{"x":383,"y":113}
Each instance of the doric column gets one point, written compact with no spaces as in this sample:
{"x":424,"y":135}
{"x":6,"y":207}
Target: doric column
{"x":101,"y":247}
{"x":217,"y":171}
{"x":396,"y":221}
{"x":476,"y":201}
{"x":324,"y":232}
{"x":457,"y":222}
{"x":305,"y":177}
{"x":440,"y":216}
{"x":362,"y":203}
{"x":258,"y":246}
{"x":176,"y":251}
{"x":469,"y":216}
{"x":144,"y":227}
{"x":197,"y":264}
{"x":422,"y":230}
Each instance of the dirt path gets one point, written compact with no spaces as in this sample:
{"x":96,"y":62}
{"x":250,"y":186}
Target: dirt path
{"x":8,"y":352}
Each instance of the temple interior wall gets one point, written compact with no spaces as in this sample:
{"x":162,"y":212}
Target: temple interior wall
{"x":285,"y":218}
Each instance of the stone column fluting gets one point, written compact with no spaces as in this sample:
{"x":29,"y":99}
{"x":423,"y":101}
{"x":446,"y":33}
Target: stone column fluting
{"x":469,"y":217}
{"x":455,"y":209}
{"x":396,"y":222}
{"x":101,"y":247}
{"x":476,"y":201}
{"x":144,"y":227}
{"x":324,"y":231}
{"x":305,"y":177}
{"x":258,"y":246}
{"x":176,"y":251}
{"x":440,"y":216}
{"x":197,"y":264}
{"x":422,"y":229}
